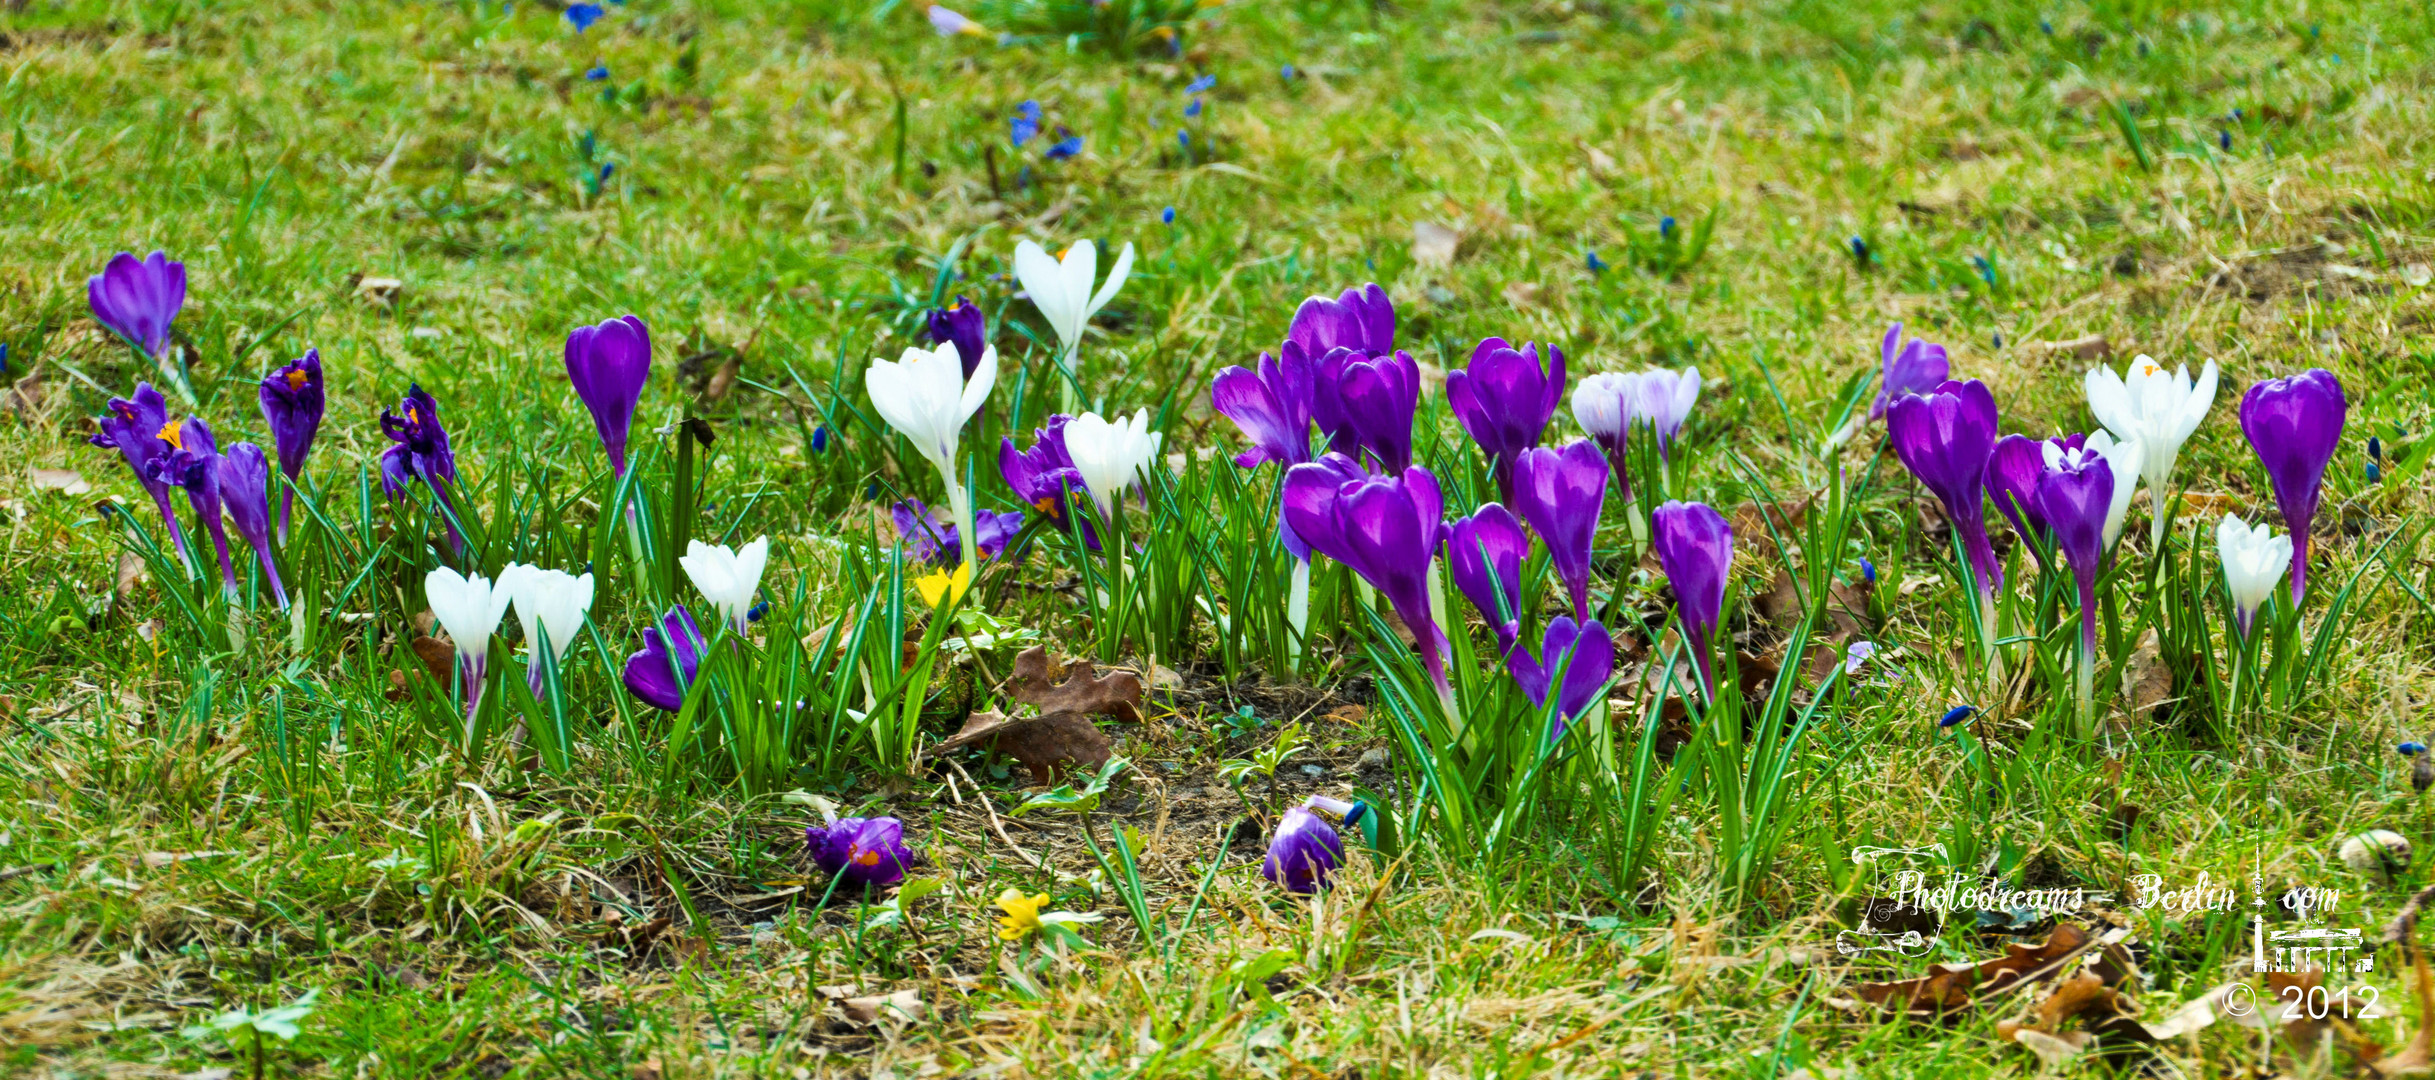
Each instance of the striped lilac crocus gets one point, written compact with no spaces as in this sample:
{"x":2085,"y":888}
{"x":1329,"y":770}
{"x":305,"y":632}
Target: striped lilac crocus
{"x":1305,"y":851}
{"x":133,"y":428}
{"x":2295,"y":424}
{"x":1504,"y":399}
{"x":609,"y":365}
{"x":244,"y":475}
{"x":1560,"y":493}
{"x":1602,"y":405}
{"x":292,"y":401}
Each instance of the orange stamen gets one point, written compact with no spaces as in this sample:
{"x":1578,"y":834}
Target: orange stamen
{"x":295,"y":380}
{"x":173,"y":433}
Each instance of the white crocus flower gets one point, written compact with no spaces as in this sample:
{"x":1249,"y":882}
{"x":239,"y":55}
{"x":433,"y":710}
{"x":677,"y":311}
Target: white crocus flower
{"x":926,"y":397}
{"x":2254,"y":561}
{"x":727,"y":577}
{"x":2157,"y":410}
{"x":1111,"y":456}
{"x":551,"y":606}
{"x":1061,"y":287}
{"x":470,"y":610}
{"x":2122,"y":459}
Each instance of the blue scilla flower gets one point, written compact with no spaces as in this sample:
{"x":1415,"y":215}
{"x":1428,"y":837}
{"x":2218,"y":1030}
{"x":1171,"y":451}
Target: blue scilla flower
{"x":1596,"y":264}
{"x":1956,"y":715}
{"x":1665,"y":227}
{"x":1286,"y":72}
{"x":582,"y":16}
{"x":2412,"y":748}
{"x":1183,"y":139}
{"x":599,"y":73}
{"x":1026,"y":122}
{"x":1167,"y":216}
{"x":820,"y":439}
{"x":1064,"y":148}
{"x":1201,"y":85}
{"x":1860,"y":250}
{"x":1868,"y":571}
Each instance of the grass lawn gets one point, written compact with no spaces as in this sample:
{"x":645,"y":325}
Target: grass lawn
{"x":237,"y":839}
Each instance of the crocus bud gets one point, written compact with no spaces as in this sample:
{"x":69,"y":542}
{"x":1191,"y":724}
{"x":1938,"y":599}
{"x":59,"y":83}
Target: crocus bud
{"x":1304,"y":852}
{"x":2295,"y":424}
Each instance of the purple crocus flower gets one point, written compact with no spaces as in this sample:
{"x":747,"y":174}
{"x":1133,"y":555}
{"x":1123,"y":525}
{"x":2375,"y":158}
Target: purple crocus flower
{"x":671,"y":655}
{"x":962,"y":323}
{"x":609,"y":365}
{"x":2013,"y":469}
{"x":1945,"y":437}
{"x":134,"y":429}
{"x":1362,"y":320}
{"x":1486,"y":552}
{"x":1371,"y":401}
{"x":2074,"y":494}
{"x":244,"y":475}
{"x":1044,"y":476}
{"x":863,"y":852}
{"x":138,"y":299}
{"x":1386,"y":528}
{"x":1582,"y":651}
{"x":1271,"y":404}
{"x":418,"y":450}
{"x":1560,"y":492}
{"x":191,"y":460}
{"x":1303,"y":853}
{"x":1695,"y":548}
{"x":292,"y":402}
{"x":1910,"y":366}
{"x":930,"y":535}
{"x":2295,"y":424}
{"x":1504,"y":399}
{"x":1663,"y":400}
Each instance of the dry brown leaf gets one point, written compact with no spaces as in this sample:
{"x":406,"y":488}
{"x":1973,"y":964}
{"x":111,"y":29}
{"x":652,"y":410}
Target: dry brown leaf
{"x":2146,"y":681}
{"x":1034,"y":682}
{"x":2053,"y":1051}
{"x":1953,"y":987}
{"x":1433,"y":245}
{"x":903,"y":1006}
{"x":438,"y":657}
{"x":2092,"y":347}
{"x":2417,"y":1058}
{"x":63,"y":481}
{"x":1039,"y":742}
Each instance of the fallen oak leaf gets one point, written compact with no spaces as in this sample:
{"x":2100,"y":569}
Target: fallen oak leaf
{"x":903,"y":1006}
{"x":1116,"y":695}
{"x":1039,"y":742}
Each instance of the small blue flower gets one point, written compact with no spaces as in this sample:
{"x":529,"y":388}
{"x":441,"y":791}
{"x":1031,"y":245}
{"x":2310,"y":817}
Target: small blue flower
{"x":1986,"y":270}
{"x":1868,"y":571}
{"x":754,"y":613}
{"x":1860,"y":249}
{"x":1183,"y":139}
{"x":2046,"y":27}
{"x":871,"y":490}
{"x":1596,"y":264}
{"x":1286,"y":72}
{"x":2224,"y":139}
{"x":2375,"y":446}
{"x":1956,"y":715}
{"x":599,"y":73}
{"x":1167,"y":216}
{"x":606,"y":169}
{"x":1999,"y":339}
{"x":1026,"y":122}
{"x":1064,"y":148}
{"x":2412,"y":748}
{"x":3,"y":358}
{"x":1193,"y":111}
{"x":2375,"y":475}
{"x":820,"y":439}
{"x":1665,"y":227}
{"x":582,"y":16}
{"x":1200,"y":85}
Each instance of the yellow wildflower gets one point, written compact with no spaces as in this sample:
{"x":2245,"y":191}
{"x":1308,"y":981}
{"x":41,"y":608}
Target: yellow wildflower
{"x":1022,"y":914}
{"x":936,"y":584}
